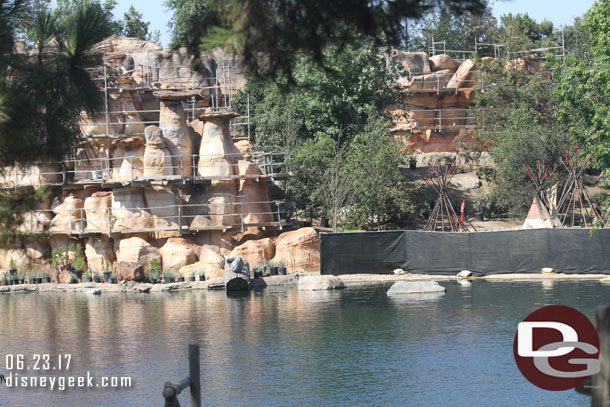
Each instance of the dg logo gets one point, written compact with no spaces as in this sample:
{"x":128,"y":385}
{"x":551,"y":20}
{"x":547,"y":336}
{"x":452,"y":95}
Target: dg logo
{"x":556,"y":348}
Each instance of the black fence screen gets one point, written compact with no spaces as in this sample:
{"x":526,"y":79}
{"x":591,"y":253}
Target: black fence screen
{"x":509,"y":251}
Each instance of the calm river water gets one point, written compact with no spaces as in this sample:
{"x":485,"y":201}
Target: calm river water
{"x":281,"y":347}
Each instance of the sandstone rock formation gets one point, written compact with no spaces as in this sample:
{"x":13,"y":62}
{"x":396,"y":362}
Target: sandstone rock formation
{"x":127,"y":159}
{"x":99,"y":252}
{"x":175,"y":130}
{"x":177,"y":253}
{"x":299,"y":250}
{"x":162,"y":205}
{"x":317,"y":283}
{"x":414,"y":62}
{"x":217,"y":153}
{"x":253,"y":196}
{"x":463,"y":77}
{"x":128,"y":210}
{"x":69,"y":216}
{"x":443,"y":61}
{"x":136,"y":250}
{"x":157,"y":158}
{"x":256,"y":252}
{"x":98,"y":210}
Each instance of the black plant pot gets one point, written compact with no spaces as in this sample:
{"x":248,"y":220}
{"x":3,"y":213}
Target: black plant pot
{"x":73,"y":281}
{"x":20,"y":281}
{"x":38,"y":280}
{"x":180,"y":279}
{"x":88,"y":280}
{"x":113,"y":280}
{"x":191,"y":279}
{"x":47,"y":279}
{"x":324,"y":222}
{"x":96,"y":279}
{"x":106,"y":276}
{"x":258,"y":274}
{"x":413,"y":165}
{"x":79,"y":274}
{"x":478,"y":216}
{"x":282,"y":271}
{"x":13,"y":271}
{"x":274,"y":271}
{"x":202,"y":277}
{"x":169,"y":280}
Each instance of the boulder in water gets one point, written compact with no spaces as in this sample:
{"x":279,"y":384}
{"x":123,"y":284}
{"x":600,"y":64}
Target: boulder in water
{"x":415,"y":287}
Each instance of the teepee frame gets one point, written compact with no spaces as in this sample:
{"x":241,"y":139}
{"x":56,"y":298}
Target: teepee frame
{"x":443,"y":217}
{"x":575,"y":206}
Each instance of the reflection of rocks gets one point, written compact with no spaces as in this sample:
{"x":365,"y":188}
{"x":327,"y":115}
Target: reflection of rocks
{"x":299,"y":249}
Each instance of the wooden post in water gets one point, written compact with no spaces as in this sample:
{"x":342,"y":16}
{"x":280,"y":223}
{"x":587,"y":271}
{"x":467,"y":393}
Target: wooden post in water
{"x":193,"y":381}
{"x":600,"y":390}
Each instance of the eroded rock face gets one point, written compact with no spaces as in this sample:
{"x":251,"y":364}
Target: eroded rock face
{"x":177,"y":253}
{"x":414,"y":62}
{"x":68,"y":216}
{"x":136,"y":250}
{"x":161,"y":204}
{"x":127,"y":159}
{"x":126,"y":271}
{"x":299,"y":250}
{"x":97,"y":208}
{"x":253,"y":196}
{"x":157,"y":158}
{"x":128,"y":209}
{"x":436,"y":80}
{"x":256,"y":252}
{"x":177,"y":135}
{"x":99,"y":251}
{"x":443,"y":61}
{"x":463,"y":77}
{"x":217,"y":154}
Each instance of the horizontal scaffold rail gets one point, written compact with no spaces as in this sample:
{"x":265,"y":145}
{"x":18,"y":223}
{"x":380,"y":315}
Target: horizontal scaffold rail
{"x":132,"y":169}
{"x":219,"y":215}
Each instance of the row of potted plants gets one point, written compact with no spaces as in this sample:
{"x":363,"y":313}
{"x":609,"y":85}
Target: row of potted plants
{"x":270,"y":269}
{"x":156,"y":276}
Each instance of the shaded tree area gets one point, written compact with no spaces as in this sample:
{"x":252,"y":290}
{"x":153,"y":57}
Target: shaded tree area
{"x":345,"y":164}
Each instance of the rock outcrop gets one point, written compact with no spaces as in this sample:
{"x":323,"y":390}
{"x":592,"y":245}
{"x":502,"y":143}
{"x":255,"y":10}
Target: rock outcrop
{"x":128,"y":210}
{"x":97,"y":211}
{"x":157,"y":159}
{"x":256,"y":252}
{"x":99,"y":252}
{"x":68,"y":216}
{"x":317,"y":283}
{"x":217,"y":154}
{"x":177,"y":253}
{"x":136,"y":250}
{"x":299,"y":250}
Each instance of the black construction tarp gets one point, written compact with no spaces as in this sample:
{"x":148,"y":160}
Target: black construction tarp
{"x":508,"y":251}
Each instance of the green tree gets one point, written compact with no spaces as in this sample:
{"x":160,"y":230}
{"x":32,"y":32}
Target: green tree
{"x":583,"y":91}
{"x":517,"y":124}
{"x":133,"y":25}
{"x":42,"y":94}
{"x":520,"y":32}
{"x":191,"y":21}
{"x":271,"y":35}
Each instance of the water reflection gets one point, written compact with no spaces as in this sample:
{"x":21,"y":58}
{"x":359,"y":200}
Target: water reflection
{"x":285,"y":347}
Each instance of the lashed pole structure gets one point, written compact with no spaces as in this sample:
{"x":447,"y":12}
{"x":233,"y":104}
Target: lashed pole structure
{"x":544,"y":184}
{"x":443,"y":215}
{"x":575,"y":206}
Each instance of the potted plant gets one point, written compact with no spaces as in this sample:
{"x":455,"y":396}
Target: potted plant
{"x":153,"y":276}
{"x":79,"y":264}
{"x":201,"y":276}
{"x":113,"y":279}
{"x":10,"y":280}
{"x":272,"y":267}
{"x":479,"y":207}
{"x":87,"y":277}
{"x":73,"y":278}
{"x":97,"y":277}
{"x":179,"y":278}
{"x":168,"y":277}
{"x":12,"y":267}
{"x":412,"y":162}
{"x":281,"y":268}
{"x":39,"y":278}
{"x":258,"y":271}
{"x":47,"y":278}
{"x":20,"y":277}
{"x":107,"y":271}
{"x":192,"y":276}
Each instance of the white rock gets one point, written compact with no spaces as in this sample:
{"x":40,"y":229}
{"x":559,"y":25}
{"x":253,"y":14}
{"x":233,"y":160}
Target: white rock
{"x":399,"y":271}
{"x":547,"y":270}
{"x":313,"y":283}
{"x":464,"y":273}
{"x":415,"y":287}
{"x":94,"y":291}
{"x":466,"y":181}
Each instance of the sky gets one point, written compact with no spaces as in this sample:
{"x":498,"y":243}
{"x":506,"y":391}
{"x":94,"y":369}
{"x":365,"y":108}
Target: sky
{"x":560,"y":12}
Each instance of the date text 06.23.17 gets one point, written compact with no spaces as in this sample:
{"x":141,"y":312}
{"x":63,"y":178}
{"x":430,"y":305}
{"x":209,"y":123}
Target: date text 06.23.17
{"x":37,"y":361}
